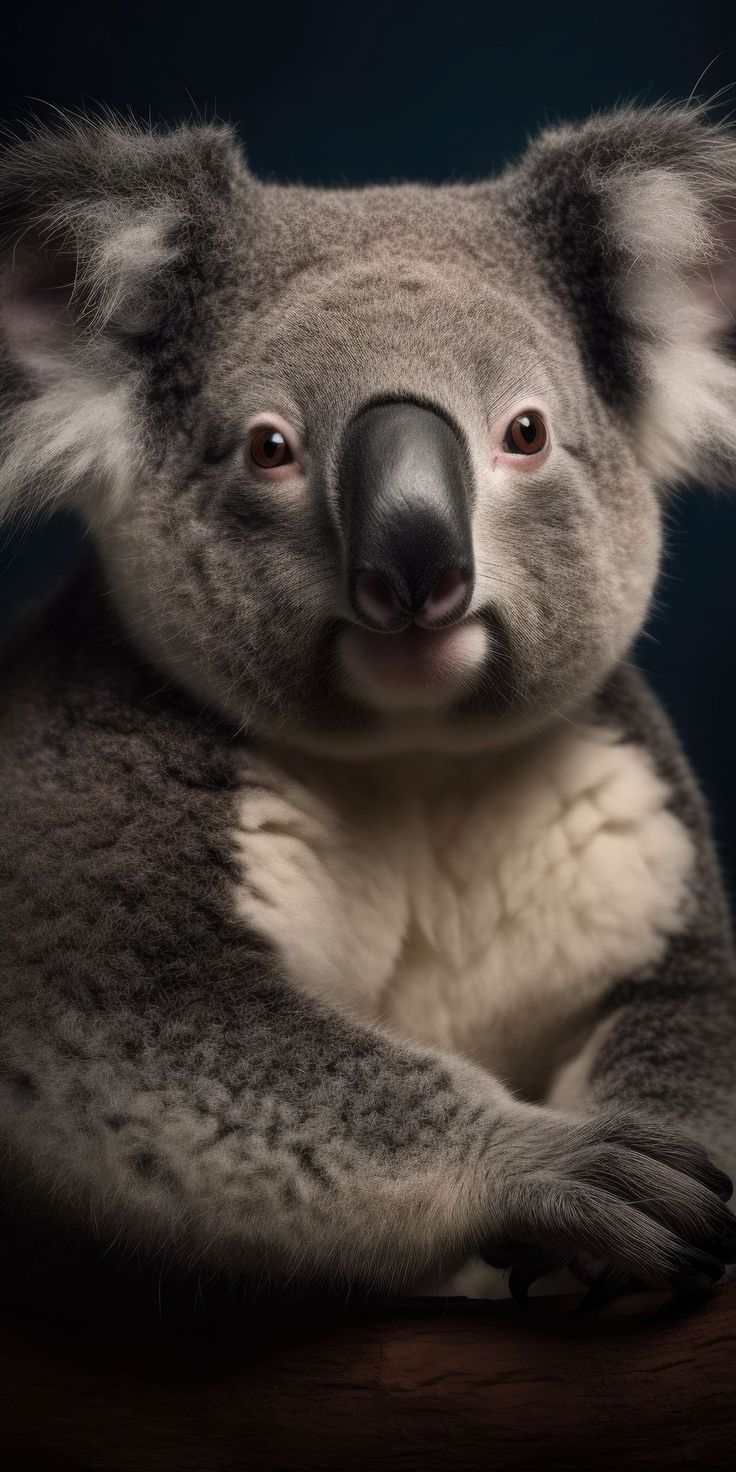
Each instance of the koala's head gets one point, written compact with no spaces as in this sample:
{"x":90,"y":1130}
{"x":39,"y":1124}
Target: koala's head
{"x":378,"y":467}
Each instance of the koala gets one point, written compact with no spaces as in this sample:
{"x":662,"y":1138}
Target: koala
{"x":361,"y":918}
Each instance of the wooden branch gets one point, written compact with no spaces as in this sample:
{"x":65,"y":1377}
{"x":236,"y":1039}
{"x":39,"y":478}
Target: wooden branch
{"x":423,"y":1386}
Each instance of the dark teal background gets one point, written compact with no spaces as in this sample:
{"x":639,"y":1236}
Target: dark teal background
{"x":346,"y":93}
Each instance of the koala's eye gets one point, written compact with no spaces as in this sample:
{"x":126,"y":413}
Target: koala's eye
{"x":526,"y":434}
{"x":269,"y":448}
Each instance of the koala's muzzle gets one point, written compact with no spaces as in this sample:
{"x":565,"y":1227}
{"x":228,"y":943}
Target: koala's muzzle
{"x":405,"y":504}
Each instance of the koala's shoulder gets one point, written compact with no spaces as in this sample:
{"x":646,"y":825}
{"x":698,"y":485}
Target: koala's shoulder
{"x":114,"y":813}
{"x":99,"y":749}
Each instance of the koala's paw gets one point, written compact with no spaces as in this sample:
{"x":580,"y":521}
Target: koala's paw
{"x":645,"y":1205}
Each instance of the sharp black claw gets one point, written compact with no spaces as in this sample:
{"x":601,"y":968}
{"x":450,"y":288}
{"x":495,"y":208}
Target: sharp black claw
{"x":609,"y":1284}
{"x":535,"y":1264}
{"x":697,"y":1270}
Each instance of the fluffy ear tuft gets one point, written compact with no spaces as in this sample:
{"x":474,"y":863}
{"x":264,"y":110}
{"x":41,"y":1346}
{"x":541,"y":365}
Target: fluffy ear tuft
{"x":634,"y":217}
{"x":106,"y":230}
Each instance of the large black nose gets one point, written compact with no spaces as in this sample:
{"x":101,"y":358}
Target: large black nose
{"x":405,"y":502}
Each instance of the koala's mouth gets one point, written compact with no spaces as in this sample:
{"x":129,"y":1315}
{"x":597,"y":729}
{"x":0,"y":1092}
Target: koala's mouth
{"x":414,"y":667}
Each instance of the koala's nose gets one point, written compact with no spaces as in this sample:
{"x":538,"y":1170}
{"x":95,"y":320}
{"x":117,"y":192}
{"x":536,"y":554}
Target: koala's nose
{"x":379,"y":603}
{"x":405,"y":504}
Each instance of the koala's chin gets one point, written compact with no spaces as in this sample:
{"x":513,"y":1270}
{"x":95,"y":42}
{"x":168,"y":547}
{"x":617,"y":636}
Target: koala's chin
{"x":415,"y":670}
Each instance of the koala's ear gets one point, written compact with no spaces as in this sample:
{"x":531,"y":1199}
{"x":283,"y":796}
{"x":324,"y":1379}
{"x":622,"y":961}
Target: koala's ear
{"x":107,"y":236}
{"x":633,"y":216}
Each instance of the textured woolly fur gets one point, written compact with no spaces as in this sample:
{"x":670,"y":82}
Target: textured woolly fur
{"x":300,"y":984}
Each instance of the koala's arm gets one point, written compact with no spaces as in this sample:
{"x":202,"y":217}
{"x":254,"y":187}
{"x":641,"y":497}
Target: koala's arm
{"x":161,"y":1084}
{"x":665,"y":1042}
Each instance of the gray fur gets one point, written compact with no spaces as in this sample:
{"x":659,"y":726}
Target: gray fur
{"x":672,"y":1050}
{"x":164,"y":1081}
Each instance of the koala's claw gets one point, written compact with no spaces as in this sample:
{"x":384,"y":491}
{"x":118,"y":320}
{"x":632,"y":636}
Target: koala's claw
{"x":644,"y":1202}
{"x":609,"y":1284}
{"x":533,"y":1264}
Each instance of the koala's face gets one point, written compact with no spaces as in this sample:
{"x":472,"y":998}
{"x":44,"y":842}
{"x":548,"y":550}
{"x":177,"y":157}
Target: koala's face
{"x":403,"y":508}
{"x":385,"y":466}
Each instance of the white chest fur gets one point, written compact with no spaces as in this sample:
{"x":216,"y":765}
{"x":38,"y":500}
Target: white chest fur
{"x":477,"y":902}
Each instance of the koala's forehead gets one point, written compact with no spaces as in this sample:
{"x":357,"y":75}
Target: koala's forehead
{"x":393,"y":290}
{"x":293,"y":227}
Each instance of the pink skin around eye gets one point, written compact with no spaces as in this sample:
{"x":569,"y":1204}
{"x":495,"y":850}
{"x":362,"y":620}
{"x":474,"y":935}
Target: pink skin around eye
{"x":274,"y":422}
{"x":525,"y":463}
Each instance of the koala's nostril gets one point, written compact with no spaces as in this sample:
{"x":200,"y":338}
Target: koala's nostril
{"x":376,"y":600}
{"x":447,"y":601}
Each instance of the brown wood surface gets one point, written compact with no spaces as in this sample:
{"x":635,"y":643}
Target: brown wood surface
{"x":421,"y":1386}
